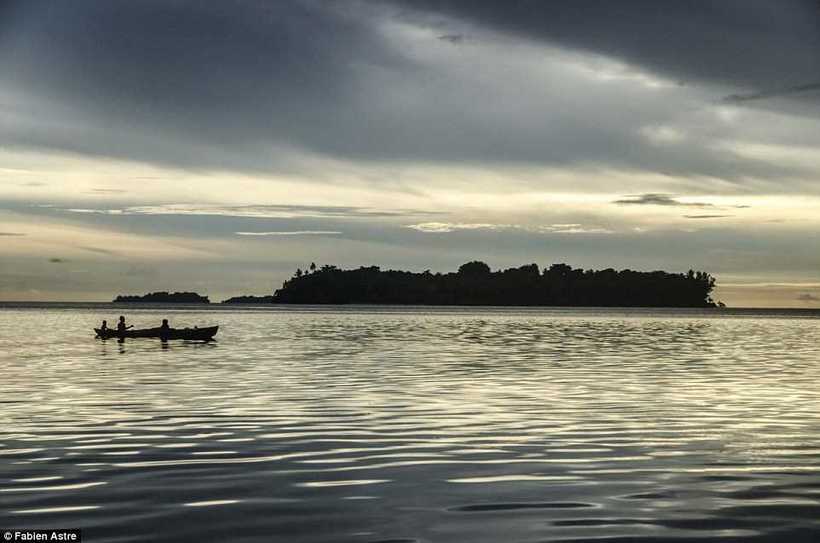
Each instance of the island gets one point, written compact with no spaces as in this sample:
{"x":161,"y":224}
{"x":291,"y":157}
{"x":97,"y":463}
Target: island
{"x":476,"y":284}
{"x":249,"y":300}
{"x":164,"y":298}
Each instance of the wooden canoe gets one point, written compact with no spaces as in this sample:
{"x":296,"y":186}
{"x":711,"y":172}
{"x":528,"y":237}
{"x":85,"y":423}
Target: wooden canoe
{"x":199,"y":334}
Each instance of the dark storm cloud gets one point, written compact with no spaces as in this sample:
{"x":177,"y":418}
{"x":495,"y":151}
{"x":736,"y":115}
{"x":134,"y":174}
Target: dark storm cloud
{"x":754,"y":44}
{"x":241,"y":74}
{"x":706,"y":216}
{"x":242,"y":85}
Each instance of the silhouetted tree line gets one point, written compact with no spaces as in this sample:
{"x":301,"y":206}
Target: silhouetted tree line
{"x":166,"y":298}
{"x":476,"y":284}
{"x":249,"y":300}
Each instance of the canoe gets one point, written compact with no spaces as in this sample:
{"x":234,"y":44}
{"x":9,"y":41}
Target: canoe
{"x":199,"y":334}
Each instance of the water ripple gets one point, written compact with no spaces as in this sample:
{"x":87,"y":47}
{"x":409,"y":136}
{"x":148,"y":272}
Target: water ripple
{"x":369,"y":425}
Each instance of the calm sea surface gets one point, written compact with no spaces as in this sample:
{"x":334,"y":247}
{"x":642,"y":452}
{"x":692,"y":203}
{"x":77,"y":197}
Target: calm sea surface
{"x":405,"y":425}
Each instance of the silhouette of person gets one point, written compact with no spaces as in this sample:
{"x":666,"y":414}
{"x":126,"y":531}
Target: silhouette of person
{"x":104,"y":327}
{"x":164,"y":330}
{"x":121,"y":327}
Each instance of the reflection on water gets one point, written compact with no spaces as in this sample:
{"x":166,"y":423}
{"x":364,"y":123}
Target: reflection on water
{"x":455,"y":425}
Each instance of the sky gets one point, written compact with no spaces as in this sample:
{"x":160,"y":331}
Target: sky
{"x":218,"y":146}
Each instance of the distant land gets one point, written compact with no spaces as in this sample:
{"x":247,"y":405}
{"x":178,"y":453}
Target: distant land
{"x":165,"y":298}
{"x":476,"y":284}
{"x":249,"y":300}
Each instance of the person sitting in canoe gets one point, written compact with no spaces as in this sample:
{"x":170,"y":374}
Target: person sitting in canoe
{"x":121,"y":327}
{"x":164,"y":330}
{"x":104,"y":328}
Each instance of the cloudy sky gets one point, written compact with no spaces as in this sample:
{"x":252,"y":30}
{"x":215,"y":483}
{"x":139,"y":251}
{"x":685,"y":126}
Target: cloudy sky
{"x":217,"y":146}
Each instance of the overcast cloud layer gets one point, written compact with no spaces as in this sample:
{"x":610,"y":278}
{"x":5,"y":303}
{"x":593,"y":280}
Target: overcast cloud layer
{"x":407,"y":133}
{"x":241,"y":85}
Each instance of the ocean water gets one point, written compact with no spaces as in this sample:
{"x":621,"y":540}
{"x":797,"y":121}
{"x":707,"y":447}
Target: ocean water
{"x":413,"y":425}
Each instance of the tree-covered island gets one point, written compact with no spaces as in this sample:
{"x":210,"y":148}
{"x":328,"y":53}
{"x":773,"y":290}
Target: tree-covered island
{"x":165,"y":298}
{"x":249,"y":300}
{"x":476,"y":284}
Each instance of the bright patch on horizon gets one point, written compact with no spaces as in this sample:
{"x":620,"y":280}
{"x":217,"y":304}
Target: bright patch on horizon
{"x":564,"y":228}
{"x":263,"y":211}
{"x":573,"y":229}
{"x":444,"y":227}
